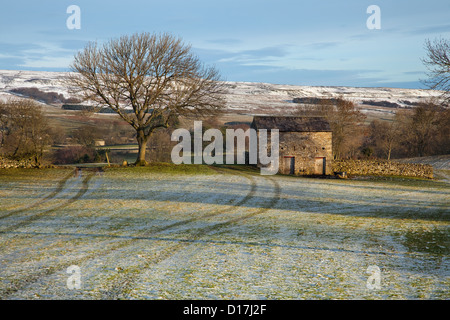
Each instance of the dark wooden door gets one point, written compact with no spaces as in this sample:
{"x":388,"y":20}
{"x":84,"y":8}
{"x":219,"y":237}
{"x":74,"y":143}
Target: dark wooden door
{"x":292,"y":166}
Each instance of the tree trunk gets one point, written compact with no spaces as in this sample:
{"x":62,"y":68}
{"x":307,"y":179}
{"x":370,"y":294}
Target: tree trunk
{"x":37,"y":163}
{"x":142,"y":142}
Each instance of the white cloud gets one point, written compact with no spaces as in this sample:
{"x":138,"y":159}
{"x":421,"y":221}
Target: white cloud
{"x":45,"y":55}
{"x":47,"y":62}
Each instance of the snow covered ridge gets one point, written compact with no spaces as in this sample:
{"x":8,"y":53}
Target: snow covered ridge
{"x":44,"y":81}
{"x":251,"y":97}
{"x":275,"y":97}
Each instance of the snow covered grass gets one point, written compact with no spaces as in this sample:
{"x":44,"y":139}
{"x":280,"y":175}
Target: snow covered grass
{"x":203,"y":233}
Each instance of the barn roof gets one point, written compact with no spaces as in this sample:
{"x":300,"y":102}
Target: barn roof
{"x":291,"y":123}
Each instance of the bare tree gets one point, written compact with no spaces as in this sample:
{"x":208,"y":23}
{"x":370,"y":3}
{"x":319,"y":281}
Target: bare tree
{"x":156,"y":76}
{"x":384,"y":135}
{"x":424,"y":130}
{"x":345,"y":122}
{"x":437,"y":62}
{"x":25,"y":130}
{"x":5,"y":121}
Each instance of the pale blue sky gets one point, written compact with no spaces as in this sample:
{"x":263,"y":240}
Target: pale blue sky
{"x":322,"y":42}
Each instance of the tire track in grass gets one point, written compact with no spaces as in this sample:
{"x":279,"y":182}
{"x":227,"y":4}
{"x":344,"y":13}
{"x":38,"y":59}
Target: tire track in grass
{"x":53,"y":194}
{"x":241,"y":202}
{"x":19,"y":284}
{"x":123,"y":282}
{"x":84,"y":188}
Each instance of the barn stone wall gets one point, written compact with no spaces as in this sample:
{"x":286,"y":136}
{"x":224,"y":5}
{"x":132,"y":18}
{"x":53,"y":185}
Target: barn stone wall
{"x":305,"y":147}
{"x":383,"y":168}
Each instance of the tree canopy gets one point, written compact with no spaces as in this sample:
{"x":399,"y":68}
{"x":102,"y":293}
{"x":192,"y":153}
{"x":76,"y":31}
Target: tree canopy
{"x":155,"y":75}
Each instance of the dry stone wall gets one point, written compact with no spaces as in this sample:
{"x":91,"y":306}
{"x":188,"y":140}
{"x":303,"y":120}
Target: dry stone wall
{"x":7,"y":163}
{"x":383,"y":168}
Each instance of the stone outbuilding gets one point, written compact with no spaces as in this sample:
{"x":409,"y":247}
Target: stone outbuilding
{"x":99,"y":143}
{"x":305,"y":143}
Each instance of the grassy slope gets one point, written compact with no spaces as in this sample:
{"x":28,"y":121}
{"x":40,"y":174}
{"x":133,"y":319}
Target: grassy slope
{"x":315,"y":241}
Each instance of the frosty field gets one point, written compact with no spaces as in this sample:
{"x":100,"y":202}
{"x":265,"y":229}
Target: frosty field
{"x":140,"y":233}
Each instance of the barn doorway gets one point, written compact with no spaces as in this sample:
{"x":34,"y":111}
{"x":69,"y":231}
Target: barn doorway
{"x":320,"y":166}
{"x":289,"y":164}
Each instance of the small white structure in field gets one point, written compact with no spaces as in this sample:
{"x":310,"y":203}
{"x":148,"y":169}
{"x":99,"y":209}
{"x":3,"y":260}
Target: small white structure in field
{"x":99,"y":143}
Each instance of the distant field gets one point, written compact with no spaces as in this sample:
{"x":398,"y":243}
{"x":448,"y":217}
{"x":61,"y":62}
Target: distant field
{"x":199,"y":232}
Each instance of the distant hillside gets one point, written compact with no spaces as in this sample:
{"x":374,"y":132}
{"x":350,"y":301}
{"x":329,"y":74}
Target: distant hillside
{"x":242,"y":97}
{"x":42,"y":96}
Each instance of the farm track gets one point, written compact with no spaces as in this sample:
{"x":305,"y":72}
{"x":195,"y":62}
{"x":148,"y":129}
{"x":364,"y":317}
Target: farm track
{"x":58,"y":189}
{"x":244,"y":200}
{"x":113,"y":291}
{"x":19,"y":283}
{"x":119,"y":286}
{"x":84,"y":188}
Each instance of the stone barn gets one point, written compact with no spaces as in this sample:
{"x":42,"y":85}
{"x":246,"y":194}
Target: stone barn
{"x":305,"y":143}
